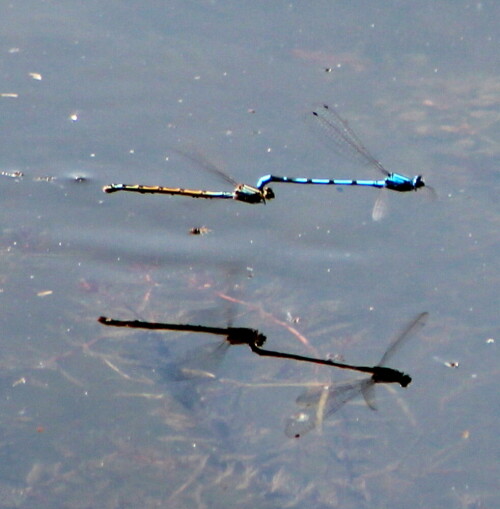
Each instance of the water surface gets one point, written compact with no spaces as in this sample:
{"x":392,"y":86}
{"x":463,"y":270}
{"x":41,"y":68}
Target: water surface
{"x":91,"y":416}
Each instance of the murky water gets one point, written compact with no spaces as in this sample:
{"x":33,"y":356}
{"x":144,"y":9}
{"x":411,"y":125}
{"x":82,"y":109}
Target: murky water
{"x":92,"y":416}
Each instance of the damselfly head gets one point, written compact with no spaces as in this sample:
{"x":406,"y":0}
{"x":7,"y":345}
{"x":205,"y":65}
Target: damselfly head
{"x":245,"y":336}
{"x":260,"y":339}
{"x":405,"y":380}
{"x":250,"y":194}
{"x":383,"y":375}
{"x":268,"y":193}
{"x":418,"y":182}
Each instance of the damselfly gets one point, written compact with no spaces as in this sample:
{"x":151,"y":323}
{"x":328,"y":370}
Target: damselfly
{"x":346,"y":142}
{"x":241,"y":192}
{"x":321,"y":403}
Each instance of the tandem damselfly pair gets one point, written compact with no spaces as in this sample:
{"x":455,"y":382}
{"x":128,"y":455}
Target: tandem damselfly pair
{"x":318,"y":404}
{"x":343,"y":140}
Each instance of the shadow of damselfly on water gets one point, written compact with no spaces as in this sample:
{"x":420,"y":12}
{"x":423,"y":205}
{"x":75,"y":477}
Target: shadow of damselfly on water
{"x":318,"y":403}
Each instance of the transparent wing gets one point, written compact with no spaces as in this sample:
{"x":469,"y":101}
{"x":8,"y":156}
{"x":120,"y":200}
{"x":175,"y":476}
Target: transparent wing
{"x":199,"y":363}
{"x":299,"y":424}
{"x":197,"y":158}
{"x":412,"y":328}
{"x":381,"y":206}
{"x":368,"y":392}
{"x":320,"y":403}
{"x":343,"y":140}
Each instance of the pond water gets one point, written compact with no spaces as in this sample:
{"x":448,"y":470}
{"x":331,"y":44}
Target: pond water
{"x":93,"y":94}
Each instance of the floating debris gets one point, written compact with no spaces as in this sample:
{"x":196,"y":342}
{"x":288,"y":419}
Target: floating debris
{"x":44,"y":293}
{"x":199,"y":230}
{"x":448,"y":364}
{"x":12,"y":174}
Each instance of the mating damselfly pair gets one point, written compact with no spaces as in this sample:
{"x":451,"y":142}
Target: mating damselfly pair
{"x":318,"y":404}
{"x":343,"y":140}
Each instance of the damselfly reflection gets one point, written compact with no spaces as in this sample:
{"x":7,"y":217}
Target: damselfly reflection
{"x":346,"y":142}
{"x":318,"y":404}
{"x":199,"y":365}
{"x":241,"y":192}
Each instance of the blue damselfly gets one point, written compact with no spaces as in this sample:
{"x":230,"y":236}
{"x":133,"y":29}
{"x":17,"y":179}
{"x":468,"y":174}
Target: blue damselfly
{"x":346,"y":142}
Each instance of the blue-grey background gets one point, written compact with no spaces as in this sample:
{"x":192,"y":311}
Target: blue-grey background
{"x":98,"y":92}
